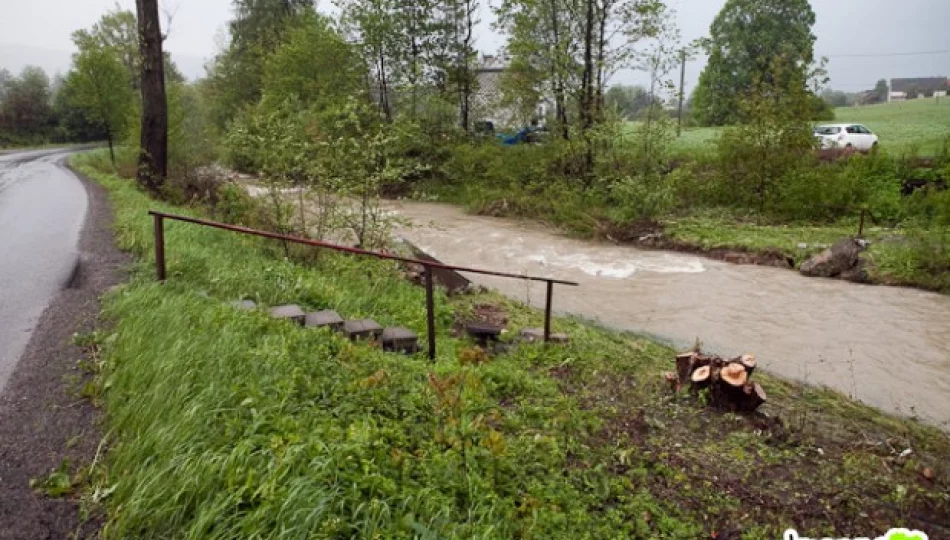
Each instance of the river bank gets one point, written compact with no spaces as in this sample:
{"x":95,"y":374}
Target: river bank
{"x":555,"y":441}
{"x":825,"y":332}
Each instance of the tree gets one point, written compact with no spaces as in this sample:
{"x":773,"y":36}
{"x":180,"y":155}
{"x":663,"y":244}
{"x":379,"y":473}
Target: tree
{"x":315,"y":66}
{"x":237,"y":74}
{"x":116,"y":31}
{"x":100,"y":88}
{"x":835,"y":98}
{"x":153,"y":152}
{"x":881,"y":91}
{"x":746,"y":40}
{"x":627,"y":101}
{"x":27,"y":105}
{"x":570,"y":49}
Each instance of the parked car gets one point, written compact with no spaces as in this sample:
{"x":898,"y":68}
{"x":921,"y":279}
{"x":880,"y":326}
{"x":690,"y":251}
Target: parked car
{"x":854,"y":136}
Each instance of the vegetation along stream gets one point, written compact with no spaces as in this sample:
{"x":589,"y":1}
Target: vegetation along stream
{"x":886,"y":346}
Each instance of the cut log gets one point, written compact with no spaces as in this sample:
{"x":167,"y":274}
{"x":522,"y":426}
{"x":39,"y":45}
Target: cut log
{"x":701,"y":377}
{"x":733,"y":374}
{"x":754,"y":397}
{"x":673,"y":381}
{"x":685,"y":364}
{"x":749,"y":361}
{"x":727,"y":380}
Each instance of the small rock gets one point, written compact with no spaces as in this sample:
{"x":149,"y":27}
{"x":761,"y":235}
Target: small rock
{"x":802,"y":245}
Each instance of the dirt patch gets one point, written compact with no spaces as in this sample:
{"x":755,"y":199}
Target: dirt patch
{"x":43,"y":421}
{"x":751,"y":468}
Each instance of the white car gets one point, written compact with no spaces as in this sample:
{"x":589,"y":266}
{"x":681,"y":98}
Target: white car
{"x":853,"y":136}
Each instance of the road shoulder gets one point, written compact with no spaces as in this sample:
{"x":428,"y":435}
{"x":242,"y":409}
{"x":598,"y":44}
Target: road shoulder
{"x":43,"y":420}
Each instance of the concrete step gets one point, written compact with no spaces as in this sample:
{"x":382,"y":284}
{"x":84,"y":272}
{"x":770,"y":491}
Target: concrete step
{"x":362,"y":329}
{"x":289,"y":312}
{"x":537,"y":334}
{"x":244,"y":304}
{"x":325,"y":318}
{"x":483,"y":333}
{"x":399,"y":339}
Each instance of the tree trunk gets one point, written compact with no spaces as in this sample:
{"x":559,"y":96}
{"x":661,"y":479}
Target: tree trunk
{"x":727,"y":380}
{"x":587,"y":93}
{"x":464,"y":69}
{"x":560,"y":111}
{"x":384,"y":88}
{"x":153,"y":154}
{"x":601,"y":55}
{"x":111,"y":149}
{"x":587,"y":105}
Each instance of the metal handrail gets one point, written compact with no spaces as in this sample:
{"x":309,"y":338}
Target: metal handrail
{"x":159,"y":230}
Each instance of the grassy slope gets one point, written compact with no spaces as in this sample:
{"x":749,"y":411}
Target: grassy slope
{"x":919,"y":124}
{"x":227,"y":424}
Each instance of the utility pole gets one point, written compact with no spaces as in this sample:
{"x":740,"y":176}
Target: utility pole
{"x":679,"y":124}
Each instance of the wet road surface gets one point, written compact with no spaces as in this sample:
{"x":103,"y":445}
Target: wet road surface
{"x":887,"y":346}
{"x":42,"y":208}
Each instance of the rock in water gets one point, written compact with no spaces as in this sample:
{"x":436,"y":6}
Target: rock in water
{"x":833,"y":261}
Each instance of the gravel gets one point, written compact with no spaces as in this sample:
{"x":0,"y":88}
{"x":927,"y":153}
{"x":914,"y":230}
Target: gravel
{"x":43,"y":420}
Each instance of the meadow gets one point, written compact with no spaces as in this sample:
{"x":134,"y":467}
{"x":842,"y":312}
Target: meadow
{"x":913,"y":126}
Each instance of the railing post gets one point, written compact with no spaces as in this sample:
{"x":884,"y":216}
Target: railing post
{"x":547,"y":312}
{"x":159,"y":247}
{"x":430,"y":312}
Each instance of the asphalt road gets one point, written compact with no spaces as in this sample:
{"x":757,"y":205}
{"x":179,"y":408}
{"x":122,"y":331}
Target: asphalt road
{"x":42,"y":209}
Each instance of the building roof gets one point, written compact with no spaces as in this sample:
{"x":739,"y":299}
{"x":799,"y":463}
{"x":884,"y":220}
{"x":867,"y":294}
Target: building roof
{"x":921,"y":84}
{"x":489,"y":63}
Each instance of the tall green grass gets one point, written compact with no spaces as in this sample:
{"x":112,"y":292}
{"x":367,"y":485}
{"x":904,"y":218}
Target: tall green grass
{"x":227,"y":424}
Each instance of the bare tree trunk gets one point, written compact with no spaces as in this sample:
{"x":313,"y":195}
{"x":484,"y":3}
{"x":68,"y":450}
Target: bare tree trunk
{"x":465,"y":71}
{"x":153,"y":154}
{"x":601,"y":58}
{"x":587,"y":94}
{"x":111,"y":149}
{"x":560,"y":111}
{"x":384,"y":87}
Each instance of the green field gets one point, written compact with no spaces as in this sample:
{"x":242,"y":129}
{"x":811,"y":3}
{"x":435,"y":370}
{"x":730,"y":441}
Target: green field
{"x":920,"y":124}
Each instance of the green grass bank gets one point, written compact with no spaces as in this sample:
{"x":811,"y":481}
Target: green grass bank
{"x":916,"y":126}
{"x":226,"y":424}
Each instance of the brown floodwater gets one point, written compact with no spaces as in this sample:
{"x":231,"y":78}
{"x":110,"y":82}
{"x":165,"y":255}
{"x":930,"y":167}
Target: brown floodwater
{"x":887,"y":346}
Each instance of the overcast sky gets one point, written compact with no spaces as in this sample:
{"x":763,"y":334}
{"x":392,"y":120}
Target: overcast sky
{"x":880,"y":32}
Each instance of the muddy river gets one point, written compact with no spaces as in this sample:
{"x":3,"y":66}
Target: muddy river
{"x":887,"y":346}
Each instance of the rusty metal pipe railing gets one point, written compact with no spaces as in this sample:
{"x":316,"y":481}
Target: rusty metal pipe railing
{"x":160,"y":270}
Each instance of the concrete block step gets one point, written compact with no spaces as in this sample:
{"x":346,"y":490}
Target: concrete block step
{"x":244,"y":304}
{"x":483,"y":333}
{"x":289,"y":312}
{"x":399,"y":339}
{"x":325,"y":318}
{"x":362,"y":329}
